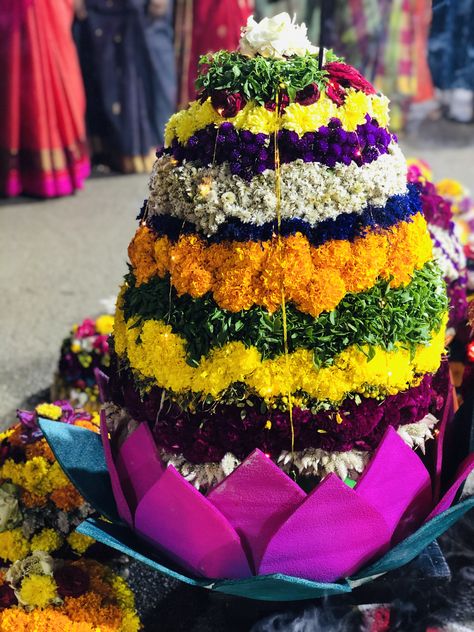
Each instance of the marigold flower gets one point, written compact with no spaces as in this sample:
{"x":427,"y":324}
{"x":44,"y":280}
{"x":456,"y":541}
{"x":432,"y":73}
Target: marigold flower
{"x":38,"y":591}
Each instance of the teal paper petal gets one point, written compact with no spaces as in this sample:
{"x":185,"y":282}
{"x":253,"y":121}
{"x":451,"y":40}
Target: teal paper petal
{"x":80,"y":453}
{"x":412,"y":546}
{"x":264,"y":587}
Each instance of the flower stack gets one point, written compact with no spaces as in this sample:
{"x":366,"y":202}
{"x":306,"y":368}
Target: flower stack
{"x":82,"y":352}
{"x":45,"y":582}
{"x":283,"y":314}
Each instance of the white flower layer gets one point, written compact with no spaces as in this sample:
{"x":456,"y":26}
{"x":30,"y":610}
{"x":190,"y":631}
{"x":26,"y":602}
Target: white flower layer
{"x":209,"y":196}
{"x":309,"y":462}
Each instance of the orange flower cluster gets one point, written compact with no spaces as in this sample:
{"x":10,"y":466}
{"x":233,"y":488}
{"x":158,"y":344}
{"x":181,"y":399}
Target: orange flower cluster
{"x":242,"y":274}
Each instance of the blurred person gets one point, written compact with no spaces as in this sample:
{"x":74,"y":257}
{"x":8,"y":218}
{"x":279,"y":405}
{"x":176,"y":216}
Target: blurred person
{"x":205,"y":26}
{"x":42,"y":105}
{"x":451,"y":56}
{"x":127,"y":60}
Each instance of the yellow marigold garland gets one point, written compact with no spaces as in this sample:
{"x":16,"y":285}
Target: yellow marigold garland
{"x":161,"y":355}
{"x":241,"y":274}
{"x":296,"y":117}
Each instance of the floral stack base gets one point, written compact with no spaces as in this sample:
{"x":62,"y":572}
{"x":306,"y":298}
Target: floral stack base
{"x":275,"y":421}
{"x":82,"y":352}
{"x":49,"y":579}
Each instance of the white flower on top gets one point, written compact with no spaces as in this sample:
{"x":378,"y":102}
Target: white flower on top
{"x":276,"y":37}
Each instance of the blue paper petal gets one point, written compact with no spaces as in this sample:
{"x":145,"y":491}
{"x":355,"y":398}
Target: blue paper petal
{"x":81,"y":455}
{"x":264,"y":587}
{"x":412,"y":546}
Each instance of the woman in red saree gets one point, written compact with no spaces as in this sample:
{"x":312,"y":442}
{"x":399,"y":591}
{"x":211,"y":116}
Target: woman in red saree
{"x":205,"y":26}
{"x":42,"y":105}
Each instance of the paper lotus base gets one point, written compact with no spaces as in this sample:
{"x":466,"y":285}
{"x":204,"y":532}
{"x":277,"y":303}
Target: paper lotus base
{"x":257,"y":534}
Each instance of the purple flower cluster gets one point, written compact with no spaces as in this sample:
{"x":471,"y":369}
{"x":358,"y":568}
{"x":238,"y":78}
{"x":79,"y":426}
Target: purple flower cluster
{"x":457,"y":301}
{"x":250,"y":154}
{"x":207,"y":435}
{"x":345,"y":226}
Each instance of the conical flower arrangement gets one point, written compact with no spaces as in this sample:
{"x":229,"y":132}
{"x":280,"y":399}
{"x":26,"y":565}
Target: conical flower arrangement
{"x":279,"y":329}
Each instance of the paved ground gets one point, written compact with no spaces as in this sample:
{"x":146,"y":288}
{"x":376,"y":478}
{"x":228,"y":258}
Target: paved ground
{"x":59,"y":258}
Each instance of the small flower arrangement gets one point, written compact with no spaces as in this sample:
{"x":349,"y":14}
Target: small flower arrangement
{"x":41,"y":594}
{"x":84,"y":350}
{"x":39,"y":508}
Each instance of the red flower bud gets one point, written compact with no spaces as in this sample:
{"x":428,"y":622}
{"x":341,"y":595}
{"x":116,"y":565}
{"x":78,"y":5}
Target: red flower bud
{"x":335,"y":92}
{"x":348,"y":77}
{"x":226,"y":103}
{"x":283,"y":101}
{"x":308,"y":95}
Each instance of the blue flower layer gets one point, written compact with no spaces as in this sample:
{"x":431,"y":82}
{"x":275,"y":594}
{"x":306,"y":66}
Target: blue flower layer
{"x":346,"y":226}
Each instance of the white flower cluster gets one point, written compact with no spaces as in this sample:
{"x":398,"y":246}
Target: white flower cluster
{"x":209,"y":196}
{"x":309,"y":462}
{"x":277,"y":37}
{"x":448,"y":251}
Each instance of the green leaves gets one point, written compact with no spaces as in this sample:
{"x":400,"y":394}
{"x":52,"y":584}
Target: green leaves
{"x":259,"y":78}
{"x":380,"y":317}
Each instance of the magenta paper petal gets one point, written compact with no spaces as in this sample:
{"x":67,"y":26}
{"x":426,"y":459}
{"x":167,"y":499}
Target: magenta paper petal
{"x":331,"y":535}
{"x":462,"y":473}
{"x":395,"y":480}
{"x":122,"y":505}
{"x":103,"y":384}
{"x":138,"y":464}
{"x":256,"y":499}
{"x":183,"y":523}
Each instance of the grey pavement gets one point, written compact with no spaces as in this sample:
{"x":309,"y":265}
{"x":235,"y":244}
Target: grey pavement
{"x":59,"y":258}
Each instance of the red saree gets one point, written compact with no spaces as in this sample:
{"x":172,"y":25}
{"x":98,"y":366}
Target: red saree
{"x":204,"y":26}
{"x":42,"y":104}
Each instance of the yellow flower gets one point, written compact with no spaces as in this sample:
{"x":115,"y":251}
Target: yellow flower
{"x":161,"y":355}
{"x":76,"y":347}
{"x":105,"y":324}
{"x":13,"y":545}
{"x":50,"y":411}
{"x":379,"y":109}
{"x":38,"y":591}
{"x":130,"y":622}
{"x":46,"y":540}
{"x":79,"y":542}
{"x":356,"y":106}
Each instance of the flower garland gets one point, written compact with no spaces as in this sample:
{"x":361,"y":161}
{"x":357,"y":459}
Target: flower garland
{"x":207,"y":433}
{"x":308,"y":462}
{"x":211,"y":196}
{"x":39,"y":508}
{"x":357,"y":319}
{"x":251,"y":154}
{"x":240,"y":275}
{"x":296,"y":117}
{"x":156,"y":353}
{"x":41,"y":594}
{"x":83,"y":351}
{"x":345,"y":226}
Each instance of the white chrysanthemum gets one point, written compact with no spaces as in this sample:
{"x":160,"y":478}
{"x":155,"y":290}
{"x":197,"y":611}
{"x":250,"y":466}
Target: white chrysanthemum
{"x":277,"y":37}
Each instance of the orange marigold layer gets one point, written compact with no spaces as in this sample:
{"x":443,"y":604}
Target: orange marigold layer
{"x":242,"y":274}
{"x":67,"y":498}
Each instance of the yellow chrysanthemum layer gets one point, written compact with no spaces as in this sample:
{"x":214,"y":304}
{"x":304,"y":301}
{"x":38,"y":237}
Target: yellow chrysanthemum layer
{"x":298,"y":118}
{"x":242,"y":274}
{"x":155,"y":352}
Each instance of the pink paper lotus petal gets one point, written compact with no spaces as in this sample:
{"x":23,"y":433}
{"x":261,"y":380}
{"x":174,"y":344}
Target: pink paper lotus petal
{"x":446,"y":501}
{"x":138,"y":464}
{"x":396,"y":482}
{"x":122,"y":505}
{"x":331,"y":535}
{"x":103,"y":384}
{"x":256,"y":499}
{"x":178,"y":519}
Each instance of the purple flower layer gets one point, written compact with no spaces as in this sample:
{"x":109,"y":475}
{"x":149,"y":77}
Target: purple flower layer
{"x":207,"y":435}
{"x":249,"y":154}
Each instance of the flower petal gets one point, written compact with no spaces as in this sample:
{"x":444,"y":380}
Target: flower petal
{"x":256,"y":499}
{"x":329,"y":536}
{"x":180,"y":521}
